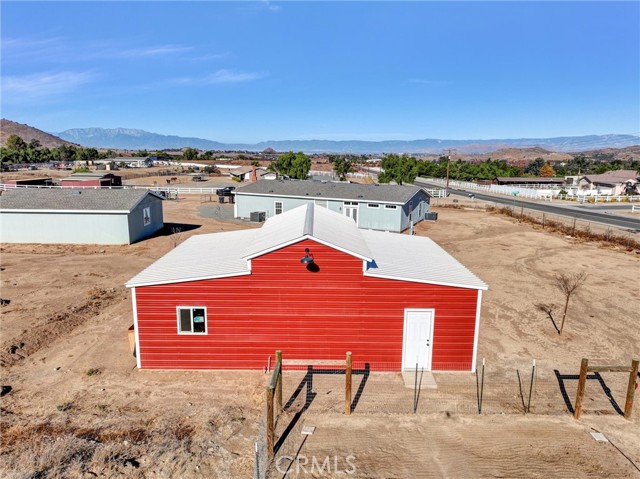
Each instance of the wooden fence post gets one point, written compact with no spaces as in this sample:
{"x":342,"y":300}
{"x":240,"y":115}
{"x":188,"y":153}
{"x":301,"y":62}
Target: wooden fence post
{"x":628,"y":405}
{"x":279,"y":383}
{"x":581,"y":385}
{"x":270,"y":434}
{"x":347,"y":385}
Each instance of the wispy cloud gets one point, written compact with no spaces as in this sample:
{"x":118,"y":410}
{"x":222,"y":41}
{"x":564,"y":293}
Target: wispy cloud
{"x":39,"y":86}
{"x":219,"y":77}
{"x":29,"y":49}
{"x":153,"y":51}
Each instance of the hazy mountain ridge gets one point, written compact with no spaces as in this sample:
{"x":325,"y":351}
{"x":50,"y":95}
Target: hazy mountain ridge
{"x":135,"y":139}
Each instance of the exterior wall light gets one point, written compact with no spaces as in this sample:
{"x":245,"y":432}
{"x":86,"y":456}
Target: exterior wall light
{"x":307,"y":258}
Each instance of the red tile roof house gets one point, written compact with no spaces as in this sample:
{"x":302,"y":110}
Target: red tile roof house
{"x":393,"y":300}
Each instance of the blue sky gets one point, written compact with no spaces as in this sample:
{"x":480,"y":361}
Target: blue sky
{"x":253,"y":71}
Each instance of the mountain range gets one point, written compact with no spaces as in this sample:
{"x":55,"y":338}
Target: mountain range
{"x":134,"y":139}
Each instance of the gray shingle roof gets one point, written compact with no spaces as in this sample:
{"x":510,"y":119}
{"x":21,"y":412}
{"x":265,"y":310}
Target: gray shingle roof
{"x":340,"y":191}
{"x":71,"y":199}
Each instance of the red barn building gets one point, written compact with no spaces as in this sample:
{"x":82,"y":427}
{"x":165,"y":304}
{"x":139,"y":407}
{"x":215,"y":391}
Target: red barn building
{"x":92,"y":179}
{"x":312,"y":284}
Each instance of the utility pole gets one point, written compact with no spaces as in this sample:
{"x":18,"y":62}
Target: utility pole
{"x":446,"y":188}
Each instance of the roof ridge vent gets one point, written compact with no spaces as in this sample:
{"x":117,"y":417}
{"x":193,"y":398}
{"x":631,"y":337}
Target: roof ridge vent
{"x":308,"y":220}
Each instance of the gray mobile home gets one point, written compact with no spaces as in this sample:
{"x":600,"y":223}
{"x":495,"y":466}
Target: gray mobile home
{"x":79,"y":216}
{"x":377,"y":207}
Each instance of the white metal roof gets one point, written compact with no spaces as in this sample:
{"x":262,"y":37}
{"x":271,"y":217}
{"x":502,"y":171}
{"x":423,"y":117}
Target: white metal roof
{"x":387,"y":255}
{"x":308,"y":221}
{"x":416,"y":259}
{"x":208,"y":256}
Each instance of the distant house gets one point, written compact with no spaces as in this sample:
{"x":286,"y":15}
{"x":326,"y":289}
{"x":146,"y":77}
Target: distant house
{"x":92,"y":179}
{"x":129,"y":162}
{"x":244,"y":174}
{"x":79,"y":216}
{"x":378,"y":207}
{"x":616,"y":182}
{"x":318,"y":286}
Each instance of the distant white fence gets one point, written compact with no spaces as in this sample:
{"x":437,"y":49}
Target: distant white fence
{"x":169,"y":189}
{"x":581,"y":196}
{"x":436,"y":192}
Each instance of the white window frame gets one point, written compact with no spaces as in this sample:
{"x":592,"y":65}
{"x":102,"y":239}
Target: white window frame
{"x":390,"y":207}
{"x":191,"y":308}
{"x":373,"y":205}
{"x":275,"y":208}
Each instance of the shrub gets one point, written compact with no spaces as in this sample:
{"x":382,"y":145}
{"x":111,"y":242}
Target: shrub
{"x":65,"y":406}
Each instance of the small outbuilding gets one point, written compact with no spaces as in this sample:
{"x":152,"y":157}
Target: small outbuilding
{"x":44,"y":181}
{"x":79,"y":216}
{"x":92,"y":179}
{"x":318,"y":286}
{"x":383,"y":207}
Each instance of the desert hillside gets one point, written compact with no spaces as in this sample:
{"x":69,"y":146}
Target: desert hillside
{"x":28,"y":133}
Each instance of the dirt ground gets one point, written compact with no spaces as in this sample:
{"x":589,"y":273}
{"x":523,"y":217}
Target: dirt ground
{"x":79,"y":408}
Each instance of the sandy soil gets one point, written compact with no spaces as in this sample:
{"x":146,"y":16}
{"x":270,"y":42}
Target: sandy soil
{"x":79,"y":408}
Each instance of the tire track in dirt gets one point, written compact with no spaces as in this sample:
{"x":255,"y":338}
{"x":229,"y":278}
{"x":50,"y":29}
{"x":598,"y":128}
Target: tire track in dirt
{"x":41,"y":336}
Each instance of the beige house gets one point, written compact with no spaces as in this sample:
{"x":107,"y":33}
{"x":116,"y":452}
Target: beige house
{"x":617,"y":182}
{"x":245,"y":174}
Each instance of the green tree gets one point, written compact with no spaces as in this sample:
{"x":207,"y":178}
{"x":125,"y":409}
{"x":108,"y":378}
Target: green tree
{"x":293,"y":165}
{"x":14,"y":142}
{"x":401,"y":169}
{"x":190,"y":154}
{"x":534,"y":167}
{"x":342,"y":166}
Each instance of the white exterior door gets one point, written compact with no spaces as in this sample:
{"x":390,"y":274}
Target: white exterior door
{"x":418,"y":339}
{"x":350,"y":209}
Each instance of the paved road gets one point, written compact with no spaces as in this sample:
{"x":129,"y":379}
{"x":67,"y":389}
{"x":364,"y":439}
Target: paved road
{"x":578,"y":212}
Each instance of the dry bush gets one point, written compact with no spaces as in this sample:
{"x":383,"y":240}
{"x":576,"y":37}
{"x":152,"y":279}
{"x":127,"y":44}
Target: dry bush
{"x":47,"y":456}
{"x":109,"y":441}
{"x":568,"y":284}
{"x":570,"y":230}
{"x":96,"y":293}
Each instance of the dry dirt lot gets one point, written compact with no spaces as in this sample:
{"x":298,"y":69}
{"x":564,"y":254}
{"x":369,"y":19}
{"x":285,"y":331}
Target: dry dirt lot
{"x":79,"y":408}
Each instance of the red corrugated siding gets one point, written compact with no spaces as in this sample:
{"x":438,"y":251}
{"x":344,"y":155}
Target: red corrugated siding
{"x":308,"y":315}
